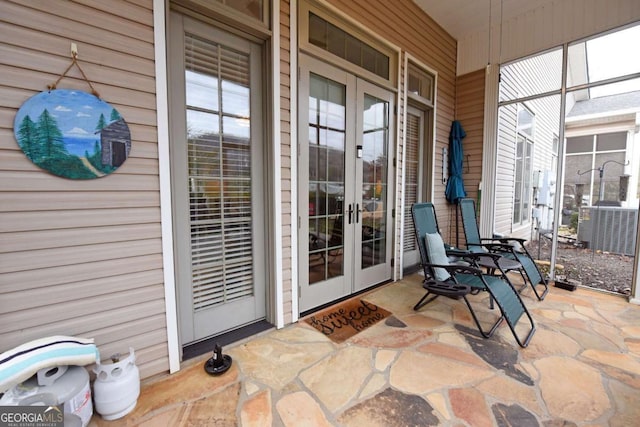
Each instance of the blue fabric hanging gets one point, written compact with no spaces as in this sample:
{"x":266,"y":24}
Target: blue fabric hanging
{"x":455,"y":186}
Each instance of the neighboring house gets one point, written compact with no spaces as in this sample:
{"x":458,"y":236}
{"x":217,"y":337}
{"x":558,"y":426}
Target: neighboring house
{"x":254,"y":126}
{"x":599,"y":130}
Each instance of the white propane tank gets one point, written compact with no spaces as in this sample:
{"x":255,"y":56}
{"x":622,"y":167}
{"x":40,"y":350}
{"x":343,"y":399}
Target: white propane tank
{"x":60,"y":385}
{"x":117,"y":387}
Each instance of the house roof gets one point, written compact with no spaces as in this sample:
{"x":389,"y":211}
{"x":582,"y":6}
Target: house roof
{"x":604,"y":104}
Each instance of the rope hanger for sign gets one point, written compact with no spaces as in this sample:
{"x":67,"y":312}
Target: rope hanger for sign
{"x":74,"y":61}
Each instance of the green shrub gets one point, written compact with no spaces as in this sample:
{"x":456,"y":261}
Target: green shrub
{"x":574,"y":220}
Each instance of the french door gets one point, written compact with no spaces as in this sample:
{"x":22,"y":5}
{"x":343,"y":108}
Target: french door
{"x":344,"y":188}
{"x":217,"y":178}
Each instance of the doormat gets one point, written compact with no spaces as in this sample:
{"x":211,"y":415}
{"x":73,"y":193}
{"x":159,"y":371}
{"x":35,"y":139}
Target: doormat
{"x":341,"y":322}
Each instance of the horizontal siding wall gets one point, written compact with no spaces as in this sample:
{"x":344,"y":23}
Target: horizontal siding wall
{"x":534,"y":75}
{"x":505,"y":169}
{"x":82,"y":257}
{"x":550,"y":25}
{"x":405,"y":25}
{"x":470,"y":113}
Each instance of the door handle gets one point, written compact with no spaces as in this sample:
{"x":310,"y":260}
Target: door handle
{"x":350,"y":212}
{"x":357,"y":213}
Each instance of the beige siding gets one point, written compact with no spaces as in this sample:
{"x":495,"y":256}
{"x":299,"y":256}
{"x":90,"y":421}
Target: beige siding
{"x":534,"y":75}
{"x":505,"y":169}
{"x":82,"y":257}
{"x":470,"y":113}
{"x":285,"y":154}
{"x":405,"y":25}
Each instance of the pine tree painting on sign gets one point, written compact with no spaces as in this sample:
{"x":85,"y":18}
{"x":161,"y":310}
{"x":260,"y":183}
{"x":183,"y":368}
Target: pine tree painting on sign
{"x":72,"y":134}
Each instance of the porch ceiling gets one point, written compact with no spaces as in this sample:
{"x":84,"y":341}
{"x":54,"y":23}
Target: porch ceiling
{"x":462,"y":17}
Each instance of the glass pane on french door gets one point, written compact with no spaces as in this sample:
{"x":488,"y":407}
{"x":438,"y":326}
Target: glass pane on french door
{"x":375,"y":147}
{"x":327,"y":129}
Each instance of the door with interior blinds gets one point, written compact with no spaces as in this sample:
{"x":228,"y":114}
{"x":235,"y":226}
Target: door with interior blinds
{"x":413,"y":184}
{"x":218,"y":182}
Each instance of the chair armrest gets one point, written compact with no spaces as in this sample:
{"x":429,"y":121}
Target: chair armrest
{"x":475,"y":258}
{"x":506,"y":240}
{"x":493,"y":247}
{"x":453,"y":268}
{"x":457,"y":252}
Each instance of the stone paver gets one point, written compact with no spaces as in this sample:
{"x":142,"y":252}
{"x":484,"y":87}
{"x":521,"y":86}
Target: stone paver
{"x":390,"y":408}
{"x":587,"y":339}
{"x":171,"y":417}
{"x":627,"y":405}
{"x":376,"y":383}
{"x":497,"y":354}
{"x":571,"y":389}
{"x":469,"y":405}
{"x":548,"y":343}
{"x":327,"y":379}
{"x":451,"y":352}
{"x":301,"y":410}
{"x":617,"y":360}
{"x":633,"y":344}
{"x":215,"y":410}
{"x":256,"y":412}
{"x":421,"y":373}
{"x":513,"y":415}
{"x":422,"y":321}
{"x":384,"y":358}
{"x":276,"y":363}
{"x":508,"y":390}
{"x":391,"y":338}
{"x":439,"y":403}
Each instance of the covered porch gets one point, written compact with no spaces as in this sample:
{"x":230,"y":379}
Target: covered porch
{"x":419,"y":368}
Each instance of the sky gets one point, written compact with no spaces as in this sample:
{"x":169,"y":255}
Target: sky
{"x":614,"y":55}
{"x":76,"y":113}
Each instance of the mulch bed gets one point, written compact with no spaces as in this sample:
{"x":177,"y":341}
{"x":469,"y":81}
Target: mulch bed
{"x":600,"y":270}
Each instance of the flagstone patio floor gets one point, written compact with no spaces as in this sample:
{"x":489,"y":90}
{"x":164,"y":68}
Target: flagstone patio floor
{"x":422,"y":368}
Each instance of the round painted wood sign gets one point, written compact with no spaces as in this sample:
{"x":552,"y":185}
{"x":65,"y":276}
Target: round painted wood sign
{"x":72,"y":134}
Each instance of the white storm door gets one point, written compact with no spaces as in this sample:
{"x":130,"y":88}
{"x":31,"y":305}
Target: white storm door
{"x":344,"y":179}
{"x":326,"y":181}
{"x":373,"y":192}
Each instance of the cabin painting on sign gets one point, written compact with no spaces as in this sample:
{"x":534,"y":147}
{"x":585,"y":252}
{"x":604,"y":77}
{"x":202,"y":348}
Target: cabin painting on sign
{"x":72,"y":134}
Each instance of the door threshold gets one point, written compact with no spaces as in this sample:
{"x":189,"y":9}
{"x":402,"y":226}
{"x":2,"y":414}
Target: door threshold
{"x":339,"y":300}
{"x":206,"y":346}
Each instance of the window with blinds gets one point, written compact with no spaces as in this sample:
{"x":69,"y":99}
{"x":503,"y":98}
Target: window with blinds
{"x":219,"y":168}
{"x":412,"y":168}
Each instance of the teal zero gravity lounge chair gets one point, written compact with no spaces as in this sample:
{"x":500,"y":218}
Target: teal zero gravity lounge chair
{"x":455,"y":280}
{"x":508,"y":247}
